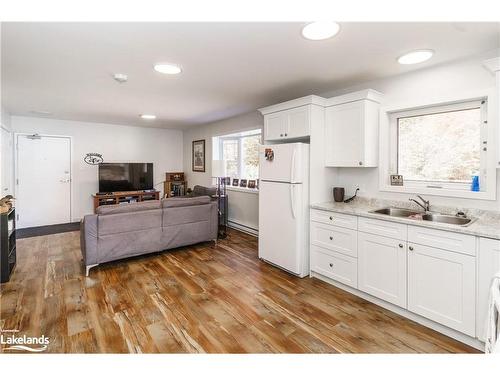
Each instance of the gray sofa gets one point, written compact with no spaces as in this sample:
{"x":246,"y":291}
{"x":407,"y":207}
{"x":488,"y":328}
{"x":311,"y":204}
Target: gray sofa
{"x":122,"y":231}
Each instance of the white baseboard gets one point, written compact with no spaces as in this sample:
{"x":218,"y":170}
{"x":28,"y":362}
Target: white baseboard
{"x":243,"y":228}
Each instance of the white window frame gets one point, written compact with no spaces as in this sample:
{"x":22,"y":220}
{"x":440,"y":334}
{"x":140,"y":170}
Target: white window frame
{"x":239,"y":136}
{"x":389,"y":146}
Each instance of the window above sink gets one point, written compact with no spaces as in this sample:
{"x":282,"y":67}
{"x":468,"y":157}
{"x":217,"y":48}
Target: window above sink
{"x":439,"y":145}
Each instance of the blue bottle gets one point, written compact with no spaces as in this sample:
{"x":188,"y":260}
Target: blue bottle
{"x":475,"y":183}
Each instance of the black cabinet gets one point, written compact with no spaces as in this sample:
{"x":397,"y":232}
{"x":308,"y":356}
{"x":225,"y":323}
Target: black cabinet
{"x":7,"y":244}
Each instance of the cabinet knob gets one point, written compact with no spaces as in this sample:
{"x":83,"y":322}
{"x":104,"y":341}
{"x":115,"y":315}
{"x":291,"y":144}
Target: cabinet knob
{"x":281,"y":135}
{"x":331,"y":238}
{"x":331,"y":217}
{"x":410,"y":248}
{"x":286,"y":134}
{"x":360,"y":163}
{"x":401,"y":245}
{"x":331,"y":264}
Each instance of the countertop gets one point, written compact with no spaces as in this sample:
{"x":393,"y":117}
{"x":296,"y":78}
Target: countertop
{"x":485,"y":224}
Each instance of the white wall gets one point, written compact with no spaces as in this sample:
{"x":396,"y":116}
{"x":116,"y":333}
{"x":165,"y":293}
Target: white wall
{"x":243,"y":207}
{"x":116,"y":143}
{"x":6,"y":159}
{"x":426,"y":84}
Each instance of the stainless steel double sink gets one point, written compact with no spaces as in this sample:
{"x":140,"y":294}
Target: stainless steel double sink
{"x":436,"y":217}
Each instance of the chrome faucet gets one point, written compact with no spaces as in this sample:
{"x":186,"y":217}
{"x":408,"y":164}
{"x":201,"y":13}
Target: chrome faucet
{"x":425,"y":205}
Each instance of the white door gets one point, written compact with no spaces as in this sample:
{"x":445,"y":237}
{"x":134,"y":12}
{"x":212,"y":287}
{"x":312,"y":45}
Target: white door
{"x":442,"y":286}
{"x":275,"y":125}
{"x":280,"y":224}
{"x":288,"y":164}
{"x":382,"y":267}
{"x":6,"y":163}
{"x":298,"y":123}
{"x":43,"y":180}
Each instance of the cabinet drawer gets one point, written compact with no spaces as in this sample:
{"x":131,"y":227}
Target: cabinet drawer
{"x":383,"y":228}
{"x":336,"y":266}
{"x":334,"y":218}
{"x":460,"y":243}
{"x":339,"y":239}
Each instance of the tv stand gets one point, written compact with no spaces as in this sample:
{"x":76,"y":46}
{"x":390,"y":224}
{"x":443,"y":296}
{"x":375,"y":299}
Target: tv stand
{"x":101,"y":199}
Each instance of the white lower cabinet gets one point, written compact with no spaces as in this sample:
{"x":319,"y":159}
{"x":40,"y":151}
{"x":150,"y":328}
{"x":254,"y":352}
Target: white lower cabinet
{"x":429,"y":272}
{"x":382,"y":267}
{"x":441,"y":286}
{"x":489,"y":265}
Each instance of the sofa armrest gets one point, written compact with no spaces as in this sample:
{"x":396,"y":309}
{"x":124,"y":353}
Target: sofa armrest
{"x":88,"y":239}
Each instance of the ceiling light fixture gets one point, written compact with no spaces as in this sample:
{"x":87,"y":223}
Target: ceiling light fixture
{"x":320,"y":30}
{"x":415,"y":57}
{"x":167,"y":68}
{"x":43,"y":113}
{"x":120,"y":77}
{"x":148,"y":117}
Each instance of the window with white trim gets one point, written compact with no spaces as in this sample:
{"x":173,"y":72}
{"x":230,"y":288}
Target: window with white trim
{"x":440,"y":147}
{"x":240,"y":151}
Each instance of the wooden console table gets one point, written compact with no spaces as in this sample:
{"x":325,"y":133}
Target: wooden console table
{"x":124,"y":196}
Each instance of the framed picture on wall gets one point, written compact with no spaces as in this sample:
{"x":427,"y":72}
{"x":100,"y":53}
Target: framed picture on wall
{"x":198,"y":156}
{"x":251,"y":184}
{"x":236,"y":182}
{"x":243,"y":182}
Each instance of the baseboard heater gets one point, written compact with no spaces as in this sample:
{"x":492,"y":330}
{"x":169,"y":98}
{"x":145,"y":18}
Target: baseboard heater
{"x":243,"y":228}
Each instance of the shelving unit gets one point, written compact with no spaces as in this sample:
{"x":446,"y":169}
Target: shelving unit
{"x":175,"y":184}
{"x":124,"y":197}
{"x":7,"y":244}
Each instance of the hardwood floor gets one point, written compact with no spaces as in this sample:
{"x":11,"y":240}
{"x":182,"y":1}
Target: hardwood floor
{"x":195,"y":299}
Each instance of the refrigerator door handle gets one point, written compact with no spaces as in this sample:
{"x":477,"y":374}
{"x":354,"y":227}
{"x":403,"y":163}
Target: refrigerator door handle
{"x":292,"y":167}
{"x":292,"y":199}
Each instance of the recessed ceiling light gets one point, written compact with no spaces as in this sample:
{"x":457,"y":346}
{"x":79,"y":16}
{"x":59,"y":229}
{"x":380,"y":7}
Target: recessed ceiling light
{"x":320,"y":30}
{"x":43,"y":113}
{"x":148,"y":117}
{"x":416,"y":57}
{"x":168,"y":68}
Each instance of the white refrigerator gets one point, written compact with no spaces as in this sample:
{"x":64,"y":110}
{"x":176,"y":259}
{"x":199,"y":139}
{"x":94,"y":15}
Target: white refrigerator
{"x":284,"y":206}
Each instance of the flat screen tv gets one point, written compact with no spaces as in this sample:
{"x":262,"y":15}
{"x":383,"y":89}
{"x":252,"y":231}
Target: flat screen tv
{"x":125,"y":177}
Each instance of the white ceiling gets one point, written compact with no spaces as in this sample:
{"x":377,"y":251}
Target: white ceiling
{"x":228,"y":68}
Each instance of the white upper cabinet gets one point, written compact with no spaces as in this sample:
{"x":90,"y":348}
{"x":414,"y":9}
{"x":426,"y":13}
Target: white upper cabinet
{"x":351,"y":130}
{"x":290,"y":120}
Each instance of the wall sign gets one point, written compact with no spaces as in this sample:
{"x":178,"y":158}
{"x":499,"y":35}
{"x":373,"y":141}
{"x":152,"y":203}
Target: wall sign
{"x":93,"y":158}
{"x":396,"y":180}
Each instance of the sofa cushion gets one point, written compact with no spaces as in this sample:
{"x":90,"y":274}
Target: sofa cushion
{"x":129,"y":207}
{"x":183,"y":202}
{"x":129,"y":222}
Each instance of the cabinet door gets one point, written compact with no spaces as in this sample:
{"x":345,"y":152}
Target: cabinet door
{"x":275,"y":125}
{"x":441,"y":286}
{"x":344,"y":135}
{"x":298,"y":123}
{"x":489,"y":265}
{"x":382,"y":267}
